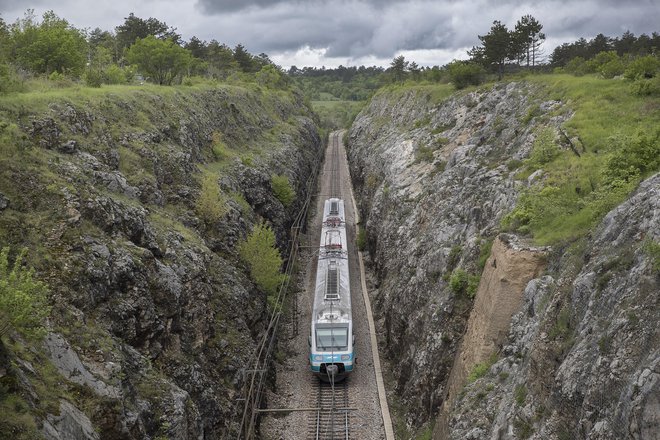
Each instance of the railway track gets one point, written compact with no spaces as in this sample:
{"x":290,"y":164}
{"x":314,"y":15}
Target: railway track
{"x":331,"y":420}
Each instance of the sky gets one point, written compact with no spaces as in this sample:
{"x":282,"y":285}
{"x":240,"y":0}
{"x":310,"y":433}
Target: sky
{"x":356,"y":32}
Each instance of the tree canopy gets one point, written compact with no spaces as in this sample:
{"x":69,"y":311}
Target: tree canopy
{"x":161,"y":60}
{"x":50,"y":46}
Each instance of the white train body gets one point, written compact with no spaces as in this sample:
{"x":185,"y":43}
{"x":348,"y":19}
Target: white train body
{"x":331,"y":339}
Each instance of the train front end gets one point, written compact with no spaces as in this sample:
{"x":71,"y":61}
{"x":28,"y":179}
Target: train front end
{"x":331,"y":350}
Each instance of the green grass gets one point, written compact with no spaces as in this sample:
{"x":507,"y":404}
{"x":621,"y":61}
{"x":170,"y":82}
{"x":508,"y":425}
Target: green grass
{"x":480,"y":370}
{"x":577,"y":190}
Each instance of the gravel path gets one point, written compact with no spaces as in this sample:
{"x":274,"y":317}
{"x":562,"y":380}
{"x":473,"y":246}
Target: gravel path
{"x":295,"y":383}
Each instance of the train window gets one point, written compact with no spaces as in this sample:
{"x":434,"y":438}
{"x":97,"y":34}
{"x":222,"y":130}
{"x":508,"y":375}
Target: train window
{"x":334,"y":208}
{"x":334,"y":338}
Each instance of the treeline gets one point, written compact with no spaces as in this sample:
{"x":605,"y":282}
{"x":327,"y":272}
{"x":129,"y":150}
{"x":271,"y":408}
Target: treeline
{"x":138,"y":49}
{"x":627,"y":45}
{"x":503,"y":50}
{"x":345,"y":83}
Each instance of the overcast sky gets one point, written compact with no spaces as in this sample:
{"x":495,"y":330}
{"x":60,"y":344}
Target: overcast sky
{"x":356,"y":32}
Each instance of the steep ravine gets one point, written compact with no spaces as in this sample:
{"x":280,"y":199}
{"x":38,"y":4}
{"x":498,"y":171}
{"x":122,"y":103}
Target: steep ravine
{"x":154,"y":315}
{"x":540,"y":329}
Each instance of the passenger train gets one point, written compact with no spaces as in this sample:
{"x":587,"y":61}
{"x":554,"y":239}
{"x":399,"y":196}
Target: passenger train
{"x":331,"y":341}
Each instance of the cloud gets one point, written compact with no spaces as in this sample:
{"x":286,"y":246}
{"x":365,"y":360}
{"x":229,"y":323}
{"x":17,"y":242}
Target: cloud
{"x":349,"y":31}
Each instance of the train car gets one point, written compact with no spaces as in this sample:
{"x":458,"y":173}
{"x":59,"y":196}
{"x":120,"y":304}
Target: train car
{"x":331,"y":340}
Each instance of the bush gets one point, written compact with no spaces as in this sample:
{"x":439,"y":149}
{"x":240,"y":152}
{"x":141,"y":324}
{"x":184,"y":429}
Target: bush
{"x":258,"y":251}
{"x":23,"y":301}
{"x":482,"y":368}
{"x":646,"y":87}
{"x":93,"y":78}
{"x":463,"y":74}
{"x":577,"y":66}
{"x":211,"y":204}
{"x":544,"y":149}
{"x":282,"y":189}
{"x":612,"y":68}
{"x":633,"y":159}
{"x":643,"y":67}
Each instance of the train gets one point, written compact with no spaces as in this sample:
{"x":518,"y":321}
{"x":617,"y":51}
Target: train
{"x":331,"y":341}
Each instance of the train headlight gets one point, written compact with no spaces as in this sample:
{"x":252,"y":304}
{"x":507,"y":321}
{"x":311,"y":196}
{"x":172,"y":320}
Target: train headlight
{"x":318,"y":357}
{"x":345,"y":357}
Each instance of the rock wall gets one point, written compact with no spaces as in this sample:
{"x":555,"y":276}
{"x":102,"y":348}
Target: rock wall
{"x":433,"y":179}
{"x":509,"y":268}
{"x":154,"y":316}
{"x":581,"y":358}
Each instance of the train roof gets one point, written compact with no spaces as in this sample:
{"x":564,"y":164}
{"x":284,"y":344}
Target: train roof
{"x":332,"y":295}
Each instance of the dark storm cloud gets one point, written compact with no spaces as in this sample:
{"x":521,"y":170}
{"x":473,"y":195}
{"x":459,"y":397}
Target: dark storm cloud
{"x":358,"y":28}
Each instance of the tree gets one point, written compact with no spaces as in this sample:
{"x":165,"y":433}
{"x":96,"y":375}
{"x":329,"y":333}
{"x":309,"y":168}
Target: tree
{"x":258,"y":251}
{"x":50,"y":46}
{"x":243,"y":58}
{"x":527,"y":38}
{"x":197,"y":48}
{"x":161,"y":60}
{"x":497,"y":46}
{"x":136,"y":28}
{"x":23,"y":300}
{"x":398,"y":67}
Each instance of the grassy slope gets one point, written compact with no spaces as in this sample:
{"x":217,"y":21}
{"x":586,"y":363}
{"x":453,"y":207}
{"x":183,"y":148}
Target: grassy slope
{"x":607,"y":117}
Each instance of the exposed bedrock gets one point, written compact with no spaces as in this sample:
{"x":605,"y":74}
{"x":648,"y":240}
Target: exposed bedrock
{"x":154,"y":315}
{"x":433,"y":180}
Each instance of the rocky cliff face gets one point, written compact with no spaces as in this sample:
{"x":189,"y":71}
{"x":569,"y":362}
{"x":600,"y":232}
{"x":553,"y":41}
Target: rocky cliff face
{"x":153,"y":314}
{"x":433,"y":180}
{"x":582,"y":356}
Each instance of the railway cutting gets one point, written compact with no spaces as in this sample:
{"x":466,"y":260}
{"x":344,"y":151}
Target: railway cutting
{"x":346,"y":406}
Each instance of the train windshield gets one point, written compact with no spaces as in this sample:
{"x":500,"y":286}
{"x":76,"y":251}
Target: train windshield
{"x":335,"y":338}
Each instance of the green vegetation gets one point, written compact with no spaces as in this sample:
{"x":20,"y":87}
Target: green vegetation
{"x":211,"y":204}
{"x":462,"y":283}
{"x":362,"y":239}
{"x":282,"y":189}
{"x":484,"y":252}
{"x":652,"y":248}
{"x":520,"y":394}
{"x":583,"y":182}
{"x":23,"y":300}
{"x":465,"y":73}
{"x":160,"y":60}
{"x":258,"y":251}
{"x":480,"y":370}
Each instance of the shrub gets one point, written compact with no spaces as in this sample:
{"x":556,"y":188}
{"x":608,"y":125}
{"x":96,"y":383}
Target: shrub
{"x":646,"y":87}
{"x":211,"y":203}
{"x":258,"y":251}
{"x":652,"y":248}
{"x":93,"y":78}
{"x":643,"y":67}
{"x":544,"y":149}
{"x":480,"y":370}
{"x":612,"y":68}
{"x":577,"y":66}
{"x":633,"y":159}
{"x":462,"y":283}
{"x":23,"y":301}
{"x":520,"y":394}
{"x":463,"y":74}
{"x":218,"y":146}
{"x":282,"y":189}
